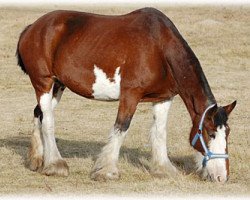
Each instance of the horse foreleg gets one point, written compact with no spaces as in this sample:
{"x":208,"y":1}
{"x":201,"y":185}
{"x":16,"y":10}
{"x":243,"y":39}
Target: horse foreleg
{"x":161,"y":165}
{"x":106,"y":164}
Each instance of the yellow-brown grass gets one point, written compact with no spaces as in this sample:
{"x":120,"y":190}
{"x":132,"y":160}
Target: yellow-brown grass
{"x":220,"y":38}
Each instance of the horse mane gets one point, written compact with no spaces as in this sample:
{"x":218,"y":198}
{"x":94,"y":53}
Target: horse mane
{"x":183,"y":56}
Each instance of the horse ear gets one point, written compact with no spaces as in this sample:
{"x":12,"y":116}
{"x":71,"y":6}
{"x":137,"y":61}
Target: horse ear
{"x":230,"y":107}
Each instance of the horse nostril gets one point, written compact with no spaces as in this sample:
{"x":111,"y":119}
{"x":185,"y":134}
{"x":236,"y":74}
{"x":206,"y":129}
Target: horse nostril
{"x":219,"y":179}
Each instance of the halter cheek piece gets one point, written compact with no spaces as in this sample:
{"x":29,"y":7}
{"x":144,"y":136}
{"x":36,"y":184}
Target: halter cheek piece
{"x":208,"y":154}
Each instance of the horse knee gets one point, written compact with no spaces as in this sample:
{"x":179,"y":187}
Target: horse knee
{"x":123,"y":124}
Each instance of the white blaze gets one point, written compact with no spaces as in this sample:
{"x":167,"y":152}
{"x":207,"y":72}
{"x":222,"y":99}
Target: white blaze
{"x":215,"y":167}
{"x":218,"y":144}
{"x":103,"y":88}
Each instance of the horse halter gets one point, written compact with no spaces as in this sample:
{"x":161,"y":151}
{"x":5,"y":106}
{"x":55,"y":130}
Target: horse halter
{"x":208,"y":154}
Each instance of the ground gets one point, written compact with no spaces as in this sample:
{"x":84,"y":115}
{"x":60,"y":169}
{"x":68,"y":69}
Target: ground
{"x":219,"y":36}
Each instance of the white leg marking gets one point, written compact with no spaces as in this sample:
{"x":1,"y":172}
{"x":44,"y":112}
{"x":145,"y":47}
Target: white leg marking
{"x":35,"y":155}
{"x":103,"y":88}
{"x":159,"y":135}
{"x":51,"y":152}
{"x":107,"y":159}
{"x":110,"y":151}
{"x":37,"y":136}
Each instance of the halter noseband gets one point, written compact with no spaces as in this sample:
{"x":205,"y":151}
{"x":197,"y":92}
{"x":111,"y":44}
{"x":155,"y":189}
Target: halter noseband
{"x":208,"y":154}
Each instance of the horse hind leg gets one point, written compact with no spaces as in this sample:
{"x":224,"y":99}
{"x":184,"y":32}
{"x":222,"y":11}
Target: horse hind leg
{"x":35,"y":154}
{"x":161,"y":165}
{"x":52,"y":162}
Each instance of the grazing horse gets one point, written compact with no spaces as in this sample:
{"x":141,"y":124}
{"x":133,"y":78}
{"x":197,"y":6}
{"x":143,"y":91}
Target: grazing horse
{"x":137,"y":57}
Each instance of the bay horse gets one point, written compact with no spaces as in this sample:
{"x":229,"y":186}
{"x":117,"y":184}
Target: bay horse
{"x":136,"y":57}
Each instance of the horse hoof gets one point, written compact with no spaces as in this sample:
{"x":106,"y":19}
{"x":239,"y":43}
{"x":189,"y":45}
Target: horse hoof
{"x":58,"y":168}
{"x":35,"y":163}
{"x":105,"y":175}
{"x":165,"y":171}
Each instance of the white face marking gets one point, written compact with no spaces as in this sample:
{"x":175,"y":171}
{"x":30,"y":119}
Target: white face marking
{"x":103,"y":88}
{"x":215,"y":167}
{"x":218,"y":144}
{"x":158,"y":135}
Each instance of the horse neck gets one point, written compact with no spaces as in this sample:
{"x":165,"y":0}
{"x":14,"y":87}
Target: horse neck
{"x":191,"y":82}
{"x":195,"y":92}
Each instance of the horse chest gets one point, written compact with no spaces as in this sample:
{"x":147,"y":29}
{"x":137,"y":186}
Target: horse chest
{"x":105,"y":88}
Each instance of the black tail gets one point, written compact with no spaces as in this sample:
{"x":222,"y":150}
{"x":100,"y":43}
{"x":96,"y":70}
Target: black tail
{"x":19,"y":58}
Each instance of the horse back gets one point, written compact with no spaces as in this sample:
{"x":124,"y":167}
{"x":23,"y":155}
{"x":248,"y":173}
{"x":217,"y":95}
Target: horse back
{"x":77,"y":43}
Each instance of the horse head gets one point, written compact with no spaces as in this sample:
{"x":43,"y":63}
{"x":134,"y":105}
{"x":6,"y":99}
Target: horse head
{"x":211,"y":141}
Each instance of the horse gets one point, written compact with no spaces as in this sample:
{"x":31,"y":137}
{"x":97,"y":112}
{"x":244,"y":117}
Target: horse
{"x":131,"y":58}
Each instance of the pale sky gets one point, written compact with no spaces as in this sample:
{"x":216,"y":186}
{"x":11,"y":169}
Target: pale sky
{"x":28,"y":2}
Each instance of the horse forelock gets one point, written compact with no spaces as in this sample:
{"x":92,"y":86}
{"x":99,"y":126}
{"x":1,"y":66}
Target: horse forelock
{"x":220,"y":117}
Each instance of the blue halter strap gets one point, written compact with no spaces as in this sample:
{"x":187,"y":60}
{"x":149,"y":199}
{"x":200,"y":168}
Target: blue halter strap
{"x":208,"y":154}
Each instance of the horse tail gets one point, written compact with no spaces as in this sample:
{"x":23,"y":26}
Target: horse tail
{"x":18,"y":55}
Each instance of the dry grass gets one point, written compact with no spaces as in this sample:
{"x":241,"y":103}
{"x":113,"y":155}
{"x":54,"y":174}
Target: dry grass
{"x":220,"y":38}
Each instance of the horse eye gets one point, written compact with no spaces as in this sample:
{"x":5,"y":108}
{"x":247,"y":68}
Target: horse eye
{"x":211,"y":135}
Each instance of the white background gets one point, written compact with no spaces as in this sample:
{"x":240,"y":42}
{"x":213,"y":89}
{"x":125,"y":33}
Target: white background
{"x":29,"y":2}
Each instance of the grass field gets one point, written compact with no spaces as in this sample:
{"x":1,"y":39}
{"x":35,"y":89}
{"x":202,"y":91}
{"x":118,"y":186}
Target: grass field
{"x":220,"y":37}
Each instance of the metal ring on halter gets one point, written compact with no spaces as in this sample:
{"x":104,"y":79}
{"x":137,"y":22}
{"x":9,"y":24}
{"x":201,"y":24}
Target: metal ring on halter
{"x":208,"y":154}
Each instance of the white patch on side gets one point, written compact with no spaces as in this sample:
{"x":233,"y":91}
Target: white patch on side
{"x":158,"y":134}
{"x":51,"y":152}
{"x":217,"y":167}
{"x":103,"y":88}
